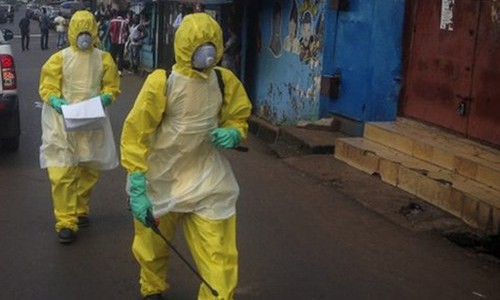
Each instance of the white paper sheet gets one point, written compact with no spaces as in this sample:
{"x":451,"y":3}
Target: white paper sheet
{"x":85,"y":115}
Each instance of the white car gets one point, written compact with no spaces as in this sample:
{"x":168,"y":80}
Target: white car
{"x":10,"y":128}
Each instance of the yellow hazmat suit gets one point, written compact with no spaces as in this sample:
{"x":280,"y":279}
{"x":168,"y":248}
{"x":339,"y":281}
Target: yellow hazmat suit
{"x":74,"y":158}
{"x":166,"y":137}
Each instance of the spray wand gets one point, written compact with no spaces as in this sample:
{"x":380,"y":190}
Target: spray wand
{"x":151,"y":223}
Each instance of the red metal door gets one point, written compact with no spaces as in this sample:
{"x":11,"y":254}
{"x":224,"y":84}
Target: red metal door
{"x":484,"y":118}
{"x":438,"y":80}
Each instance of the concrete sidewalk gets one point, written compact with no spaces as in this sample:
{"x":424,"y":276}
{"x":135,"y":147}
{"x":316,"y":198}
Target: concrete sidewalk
{"x":310,"y":151}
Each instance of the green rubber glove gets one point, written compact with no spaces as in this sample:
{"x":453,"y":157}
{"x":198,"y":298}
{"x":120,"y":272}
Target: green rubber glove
{"x":57,"y":102}
{"x":139,"y":201}
{"x":106,"y":99}
{"x":226,"y":138}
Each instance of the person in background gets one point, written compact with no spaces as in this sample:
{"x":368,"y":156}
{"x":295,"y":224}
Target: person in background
{"x":198,"y":7}
{"x":100,"y":12}
{"x":74,"y":159}
{"x":24,"y":26}
{"x":145,"y":20}
{"x":184,"y":11}
{"x":138,"y":33}
{"x":232,"y":48}
{"x":44,"y":29}
{"x":103,"y":26}
{"x":171,"y":148}
{"x":61,"y":24}
{"x":130,"y":17}
{"x":118,"y":33}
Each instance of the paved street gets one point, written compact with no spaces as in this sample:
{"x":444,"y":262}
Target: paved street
{"x":298,"y":239}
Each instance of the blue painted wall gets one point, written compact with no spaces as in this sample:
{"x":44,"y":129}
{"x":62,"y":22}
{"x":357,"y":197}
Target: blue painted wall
{"x":365,"y":48}
{"x":286,"y":64}
{"x":362,"y":44}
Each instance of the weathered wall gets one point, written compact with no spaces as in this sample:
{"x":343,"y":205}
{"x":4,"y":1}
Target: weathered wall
{"x":365,"y":48}
{"x":285,"y":59}
{"x":289,"y":51}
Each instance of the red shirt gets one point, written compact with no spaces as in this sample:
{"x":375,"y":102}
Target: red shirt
{"x":118,"y":30}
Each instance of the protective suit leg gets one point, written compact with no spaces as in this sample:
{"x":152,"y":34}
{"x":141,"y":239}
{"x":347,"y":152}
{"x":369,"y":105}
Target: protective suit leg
{"x":153,"y":254}
{"x":64,"y":182}
{"x":213,"y":247}
{"x":86,"y":181}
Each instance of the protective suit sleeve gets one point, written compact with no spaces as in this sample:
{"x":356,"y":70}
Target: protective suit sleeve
{"x":51,"y":77}
{"x":111,"y":78}
{"x":142,"y":122}
{"x":236,"y":108}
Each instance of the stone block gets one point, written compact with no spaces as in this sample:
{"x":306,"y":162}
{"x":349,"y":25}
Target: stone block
{"x":389,"y":171}
{"x":470,"y":211}
{"x":356,"y":156}
{"x":455,"y":204}
{"x":488,"y":176}
{"x":434,"y":191}
{"x":484,"y":217}
{"x":465,"y":167}
{"x":408,"y":180}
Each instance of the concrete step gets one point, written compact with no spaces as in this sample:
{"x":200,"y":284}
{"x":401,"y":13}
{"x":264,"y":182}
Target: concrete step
{"x":309,"y":141}
{"x":287,"y":141}
{"x":475,"y":203}
{"x":465,"y":157}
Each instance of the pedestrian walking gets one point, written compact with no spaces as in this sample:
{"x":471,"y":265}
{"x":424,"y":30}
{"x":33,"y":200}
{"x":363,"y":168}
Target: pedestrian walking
{"x":138,"y":34}
{"x":24,"y":26}
{"x":232,"y":48}
{"x":61,"y":24}
{"x":170,"y":147}
{"x":103,"y":26}
{"x":44,"y":29}
{"x":74,"y":159}
{"x":118,"y":33}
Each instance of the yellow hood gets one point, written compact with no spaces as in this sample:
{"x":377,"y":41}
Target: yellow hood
{"x":82,"y":21}
{"x":195,"y":30}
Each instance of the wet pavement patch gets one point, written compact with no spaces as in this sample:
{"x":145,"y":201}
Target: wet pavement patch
{"x":489,"y":244}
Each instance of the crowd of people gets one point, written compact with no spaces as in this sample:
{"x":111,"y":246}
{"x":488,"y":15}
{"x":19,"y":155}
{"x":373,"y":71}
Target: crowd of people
{"x":122,"y":33}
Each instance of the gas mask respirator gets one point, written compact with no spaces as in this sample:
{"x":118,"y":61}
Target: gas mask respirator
{"x":84,"y":41}
{"x":204,"y":57}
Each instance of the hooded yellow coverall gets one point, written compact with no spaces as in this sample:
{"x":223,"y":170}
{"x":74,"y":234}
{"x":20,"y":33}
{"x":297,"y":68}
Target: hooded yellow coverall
{"x":73,"y":159}
{"x":166,"y":136}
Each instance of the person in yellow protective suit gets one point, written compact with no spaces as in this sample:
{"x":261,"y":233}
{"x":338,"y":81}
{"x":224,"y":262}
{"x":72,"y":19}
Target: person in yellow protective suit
{"x":74,"y":158}
{"x":170,"y":147}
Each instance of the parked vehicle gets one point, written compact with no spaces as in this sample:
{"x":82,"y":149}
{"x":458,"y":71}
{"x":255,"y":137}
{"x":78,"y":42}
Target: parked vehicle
{"x":10,"y":128}
{"x":68,"y":8}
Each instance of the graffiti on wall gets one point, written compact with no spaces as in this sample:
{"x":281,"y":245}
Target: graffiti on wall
{"x":295,"y":38}
{"x":275,"y":43}
{"x":305,"y":31}
{"x":291,"y":43}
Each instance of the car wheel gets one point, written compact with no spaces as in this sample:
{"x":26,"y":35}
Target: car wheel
{"x":10,"y":144}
